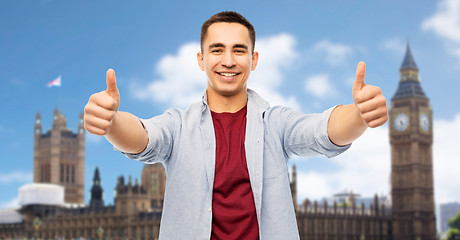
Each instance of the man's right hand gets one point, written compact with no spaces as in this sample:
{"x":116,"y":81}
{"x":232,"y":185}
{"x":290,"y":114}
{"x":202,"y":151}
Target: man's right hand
{"x":102,"y":107}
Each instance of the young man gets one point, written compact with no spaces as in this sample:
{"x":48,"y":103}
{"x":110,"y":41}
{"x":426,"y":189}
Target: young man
{"x":226,"y":156}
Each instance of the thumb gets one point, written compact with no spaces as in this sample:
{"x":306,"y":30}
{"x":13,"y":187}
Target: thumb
{"x":112,"y":89}
{"x":359,"y":80}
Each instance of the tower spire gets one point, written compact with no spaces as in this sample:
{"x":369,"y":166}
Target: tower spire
{"x":96,"y":200}
{"x":96,"y":178}
{"x":408,"y":62}
{"x":409,"y":83}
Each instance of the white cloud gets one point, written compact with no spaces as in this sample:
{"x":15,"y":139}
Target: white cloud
{"x":10,"y":204}
{"x":314,"y":186}
{"x":394,"y":44}
{"x":181,"y":82}
{"x":91,"y":138}
{"x":320,"y":86}
{"x":446,"y":159}
{"x":336,"y":53}
{"x":446,"y":24}
{"x":16,"y":177}
{"x":276,"y":53}
{"x":365,"y":168}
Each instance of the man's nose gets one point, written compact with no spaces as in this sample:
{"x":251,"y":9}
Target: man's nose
{"x":228,"y":60}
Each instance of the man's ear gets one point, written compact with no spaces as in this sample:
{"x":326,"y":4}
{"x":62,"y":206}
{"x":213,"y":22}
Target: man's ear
{"x":255,"y":58}
{"x":199,"y":58}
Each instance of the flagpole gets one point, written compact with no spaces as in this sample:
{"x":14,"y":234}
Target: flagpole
{"x":59,"y":101}
{"x":56,"y":83}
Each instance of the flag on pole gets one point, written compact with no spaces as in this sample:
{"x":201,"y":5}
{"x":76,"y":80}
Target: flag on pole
{"x":55,"y":83}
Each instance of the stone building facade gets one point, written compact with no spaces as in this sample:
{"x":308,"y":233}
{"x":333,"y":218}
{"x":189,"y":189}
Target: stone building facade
{"x":59,"y":156}
{"x":136,"y":214}
{"x":348,"y":221}
{"x":131,"y":217}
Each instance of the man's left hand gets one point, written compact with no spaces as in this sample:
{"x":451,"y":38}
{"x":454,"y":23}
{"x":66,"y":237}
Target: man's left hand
{"x":369,"y":100}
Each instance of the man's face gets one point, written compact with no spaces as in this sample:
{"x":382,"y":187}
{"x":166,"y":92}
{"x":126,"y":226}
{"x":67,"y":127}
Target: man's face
{"x":227,"y":58}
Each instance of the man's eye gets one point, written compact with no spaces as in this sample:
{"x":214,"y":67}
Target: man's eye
{"x":239,"y":51}
{"x":216,"y":50}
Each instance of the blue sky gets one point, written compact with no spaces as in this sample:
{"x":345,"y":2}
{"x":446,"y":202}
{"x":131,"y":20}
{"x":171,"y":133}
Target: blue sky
{"x":308,"y":55}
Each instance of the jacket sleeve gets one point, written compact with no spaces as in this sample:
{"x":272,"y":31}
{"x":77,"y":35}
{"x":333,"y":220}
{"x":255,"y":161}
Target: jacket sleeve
{"x":160,"y":130}
{"x":306,"y":134}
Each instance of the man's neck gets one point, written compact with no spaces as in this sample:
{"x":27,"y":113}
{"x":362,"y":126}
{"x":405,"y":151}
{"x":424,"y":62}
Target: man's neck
{"x":219,"y":103}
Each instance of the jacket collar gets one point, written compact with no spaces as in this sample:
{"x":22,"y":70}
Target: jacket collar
{"x":253,"y":99}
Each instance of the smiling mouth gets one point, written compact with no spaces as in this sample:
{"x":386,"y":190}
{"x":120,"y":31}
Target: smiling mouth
{"x":227,"y":74}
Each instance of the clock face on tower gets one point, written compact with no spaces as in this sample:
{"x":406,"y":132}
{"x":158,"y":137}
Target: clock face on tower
{"x":424,"y":122}
{"x":401,"y":122}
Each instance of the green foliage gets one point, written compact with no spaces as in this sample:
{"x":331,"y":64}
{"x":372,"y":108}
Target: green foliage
{"x":454,"y":231}
{"x":453,"y":234}
{"x":455,"y":222}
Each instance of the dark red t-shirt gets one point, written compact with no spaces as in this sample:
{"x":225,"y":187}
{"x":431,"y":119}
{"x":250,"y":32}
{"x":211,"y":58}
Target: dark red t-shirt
{"x":233,"y":209}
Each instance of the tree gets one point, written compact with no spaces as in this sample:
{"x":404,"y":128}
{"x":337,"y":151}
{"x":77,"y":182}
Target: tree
{"x":454,"y":230}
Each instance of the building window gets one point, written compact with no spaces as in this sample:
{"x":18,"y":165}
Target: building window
{"x":41,"y":174}
{"x":154,"y":184}
{"x":73,"y":174}
{"x":47,"y":176}
{"x":67,"y":174}
{"x":62,"y":173}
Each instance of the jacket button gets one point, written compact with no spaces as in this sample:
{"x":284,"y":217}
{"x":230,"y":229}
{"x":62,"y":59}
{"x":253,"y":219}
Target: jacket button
{"x":209,"y":210}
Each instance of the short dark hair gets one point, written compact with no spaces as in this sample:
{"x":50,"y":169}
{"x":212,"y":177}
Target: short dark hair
{"x":228,"y":17}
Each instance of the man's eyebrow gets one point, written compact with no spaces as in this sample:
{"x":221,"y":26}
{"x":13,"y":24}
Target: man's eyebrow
{"x":216,"y":45}
{"x":240,"y":46}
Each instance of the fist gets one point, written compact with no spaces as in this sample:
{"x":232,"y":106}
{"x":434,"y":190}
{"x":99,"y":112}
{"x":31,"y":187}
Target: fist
{"x":102,"y":107}
{"x":369,"y":100}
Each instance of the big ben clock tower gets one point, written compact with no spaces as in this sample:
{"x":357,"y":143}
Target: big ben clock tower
{"x":411,"y":139}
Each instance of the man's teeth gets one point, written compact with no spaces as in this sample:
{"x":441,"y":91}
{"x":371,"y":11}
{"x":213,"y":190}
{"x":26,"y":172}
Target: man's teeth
{"x":228,"y":74}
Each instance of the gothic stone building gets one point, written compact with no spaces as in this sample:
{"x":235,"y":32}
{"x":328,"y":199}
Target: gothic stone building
{"x":59,"y":156}
{"x":59,"y":159}
{"x":136,"y":213}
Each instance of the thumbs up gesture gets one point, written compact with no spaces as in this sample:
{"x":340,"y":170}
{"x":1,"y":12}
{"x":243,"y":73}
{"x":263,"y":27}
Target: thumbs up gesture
{"x":369,"y":100}
{"x":102,"y":107}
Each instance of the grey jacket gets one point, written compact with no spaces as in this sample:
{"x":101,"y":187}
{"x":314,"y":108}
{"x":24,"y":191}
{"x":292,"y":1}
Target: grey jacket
{"x":184,"y":142}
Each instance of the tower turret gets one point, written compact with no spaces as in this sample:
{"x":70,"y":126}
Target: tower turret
{"x":37,"y":136}
{"x":294,"y":186}
{"x":153,"y":180}
{"x":129,"y":198}
{"x":80,"y":165}
{"x":59,"y":121}
{"x":38,"y":125}
{"x":97,"y":197}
